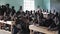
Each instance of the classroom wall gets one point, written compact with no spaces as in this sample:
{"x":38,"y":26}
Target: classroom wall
{"x":44,"y":4}
{"x":55,"y":4}
{"x":16,"y":3}
{"x":38,"y":3}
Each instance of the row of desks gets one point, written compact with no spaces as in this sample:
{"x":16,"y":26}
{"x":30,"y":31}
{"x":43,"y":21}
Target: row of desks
{"x":41,"y":29}
{"x":6,"y":22}
{"x":2,"y":23}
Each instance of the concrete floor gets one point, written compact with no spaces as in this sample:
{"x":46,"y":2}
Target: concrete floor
{"x":4,"y":32}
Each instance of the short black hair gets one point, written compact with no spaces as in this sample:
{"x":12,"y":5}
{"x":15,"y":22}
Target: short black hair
{"x":7,"y":4}
{"x":12,"y":6}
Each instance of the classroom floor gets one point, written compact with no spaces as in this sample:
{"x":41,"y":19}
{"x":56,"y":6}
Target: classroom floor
{"x":4,"y":32}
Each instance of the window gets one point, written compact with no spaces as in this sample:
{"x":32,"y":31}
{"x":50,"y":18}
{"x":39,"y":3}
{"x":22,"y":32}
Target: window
{"x":28,"y":5}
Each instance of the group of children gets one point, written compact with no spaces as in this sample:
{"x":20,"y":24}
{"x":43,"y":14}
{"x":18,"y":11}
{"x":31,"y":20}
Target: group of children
{"x":25,"y":18}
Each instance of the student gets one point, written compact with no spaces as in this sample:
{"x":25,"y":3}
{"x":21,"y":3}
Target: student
{"x":3,"y":9}
{"x":1,"y":13}
{"x":53,"y":24}
{"x":20,"y":12}
{"x":59,"y":25}
{"x":15,"y":30}
{"x":8,"y":10}
{"x":13,"y":10}
{"x":40,"y":14}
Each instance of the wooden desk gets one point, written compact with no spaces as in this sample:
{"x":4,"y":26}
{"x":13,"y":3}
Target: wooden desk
{"x":41,"y":29}
{"x":2,"y":23}
{"x":10,"y":23}
{"x":4,"y":32}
